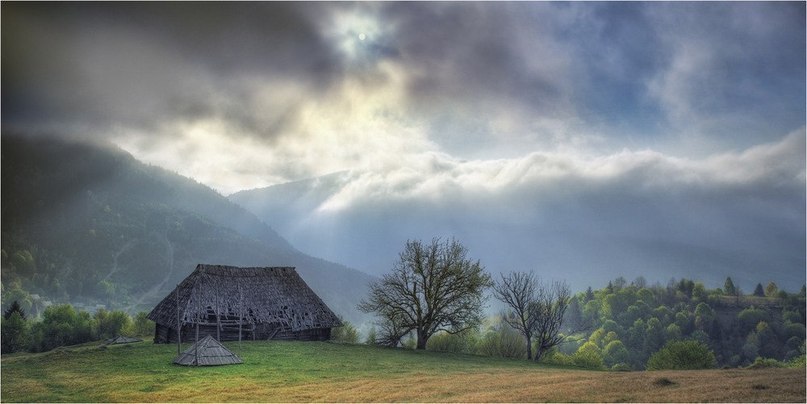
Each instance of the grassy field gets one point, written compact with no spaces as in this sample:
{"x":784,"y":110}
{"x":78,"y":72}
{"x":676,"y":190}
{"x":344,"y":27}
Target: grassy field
{"x":319,"y":371}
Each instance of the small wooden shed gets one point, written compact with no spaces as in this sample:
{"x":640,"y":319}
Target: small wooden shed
{"x":232,"y":303}
{"x":207,"y":352}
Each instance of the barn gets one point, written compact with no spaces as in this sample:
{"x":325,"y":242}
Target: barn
{"x":232,"y":303}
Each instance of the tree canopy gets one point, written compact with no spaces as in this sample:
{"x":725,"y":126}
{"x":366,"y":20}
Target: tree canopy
{"x":432,"y":287}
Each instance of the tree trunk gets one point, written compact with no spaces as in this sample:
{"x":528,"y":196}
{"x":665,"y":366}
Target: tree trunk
{"x":422,"y":339}
{"x":539,"y":354}
{"x":529,"y":349}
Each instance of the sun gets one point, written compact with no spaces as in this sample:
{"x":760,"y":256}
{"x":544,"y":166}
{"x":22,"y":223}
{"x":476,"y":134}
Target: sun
{"x":362,"y":36}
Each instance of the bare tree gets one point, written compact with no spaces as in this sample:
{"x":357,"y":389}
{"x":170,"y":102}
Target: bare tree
{"x":518,"y":291}
{"x":432,"y":288}
{"x":391,"y":332}
{"x":549,"y":308}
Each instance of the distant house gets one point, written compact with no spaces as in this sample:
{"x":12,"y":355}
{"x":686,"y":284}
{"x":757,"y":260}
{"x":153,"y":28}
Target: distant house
{"x":255,"y":303}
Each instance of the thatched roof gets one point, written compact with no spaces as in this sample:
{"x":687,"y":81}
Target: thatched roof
{"x":252,"y":295}
{"x":207,"y":352}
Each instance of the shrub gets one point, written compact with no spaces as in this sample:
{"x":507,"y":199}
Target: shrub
{"x":621,"y":367}
{"x":557,"y":358}
{"x":61,"y":325}
{"x":689,"y":354}
{"x":347,"y":333}
{"x":110,"y":324}
{"x":797,"y":362}
{"x":764,"y":363}
{"x":502,"y":340}
{"x":588,"y":356}
{"x":371,"y":337}
{"x":464,"y":342}
{"x":141,"y":325}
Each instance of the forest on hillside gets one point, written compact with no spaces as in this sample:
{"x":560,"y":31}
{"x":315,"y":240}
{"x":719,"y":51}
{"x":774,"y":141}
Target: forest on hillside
{"x":625,"y":323}
{"x":622,"y":325}
{"x":618,"y":327}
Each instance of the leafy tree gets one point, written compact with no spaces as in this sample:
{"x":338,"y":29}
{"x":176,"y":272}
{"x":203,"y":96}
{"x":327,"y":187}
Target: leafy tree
{"x":758,"y":291}
{"x":432,"y":287}
{"x":589,"y":296}
{"x":588,"y":356}
{"x":771,"y":290}
{"x":14,"y":331}
{"x":750,"y":317}
{"x":61,"y":325}
{"x":687,"y":354}
{"x":729,"y":288}
{"x":640,"y":282}
{"x":14,"y":308}
{"x":673,"y":332}
{"x":614,"y":353}
{"x":575,"y":321}
{"x":17,"y":294}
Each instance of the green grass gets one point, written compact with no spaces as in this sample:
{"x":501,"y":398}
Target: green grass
{"x":321,"y":371}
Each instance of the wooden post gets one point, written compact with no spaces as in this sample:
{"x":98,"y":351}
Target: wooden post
{"x":196,"y":350}
{"x":240,"y":313}
{"x":179,"y":324}
{"x":218,"y":320}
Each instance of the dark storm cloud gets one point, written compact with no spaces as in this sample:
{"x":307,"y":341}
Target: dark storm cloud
{"x":480,"y":53}
{"x":141,"y":63}
{"x":729,"y":71}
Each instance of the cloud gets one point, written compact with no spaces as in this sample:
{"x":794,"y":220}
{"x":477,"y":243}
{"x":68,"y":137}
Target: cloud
{"x":297,"y":82}
{"x":733,"y":71}
{"x":582,"y":218}
{"x":535,"y":130}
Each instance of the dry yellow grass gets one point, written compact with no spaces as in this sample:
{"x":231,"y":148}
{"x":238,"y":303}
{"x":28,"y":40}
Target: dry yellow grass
{"x":321,"y":372}
{"x":769,"y":385}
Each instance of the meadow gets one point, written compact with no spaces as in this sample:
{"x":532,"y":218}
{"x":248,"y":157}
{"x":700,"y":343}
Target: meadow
{"x":322,"y":371}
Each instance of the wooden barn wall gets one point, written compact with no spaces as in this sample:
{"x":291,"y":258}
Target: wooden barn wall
{"x":164,"y":334}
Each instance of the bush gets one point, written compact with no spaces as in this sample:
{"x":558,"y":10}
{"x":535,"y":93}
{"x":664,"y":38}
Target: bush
{"x":61,"y":325}
{"x":371,"y":337}
{"x":502,"y":340}
{"x":463,"y":342}
{"x":141,"y":325}
{"x":588,"y":356}
{"x":689,"y":354}
{"x":797,"y":362}
{"x":765,"y":363}
{"x":110,"y":324}
{"x":347,"y":333}
{"x":555,"y":357}
{"x":621,"y":367}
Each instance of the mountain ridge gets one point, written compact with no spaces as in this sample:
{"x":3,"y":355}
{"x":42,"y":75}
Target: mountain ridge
{"x":100,"y":226}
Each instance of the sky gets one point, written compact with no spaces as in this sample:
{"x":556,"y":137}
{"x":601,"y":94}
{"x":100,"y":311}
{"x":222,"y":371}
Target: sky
{"x":692,"y":112}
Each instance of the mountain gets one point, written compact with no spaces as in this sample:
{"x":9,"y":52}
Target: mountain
{"x":87,"y":223}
